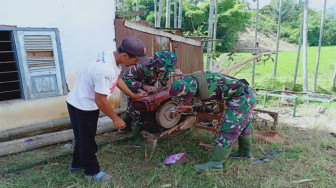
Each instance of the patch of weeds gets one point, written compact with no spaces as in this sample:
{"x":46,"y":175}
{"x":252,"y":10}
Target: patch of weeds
{"x":269,"y":83}
{"x":300,"y":149}
{"x":291,"y":155}
{"x":319,"y":89}
{"x":297,"y":88}
{"x":275,"y":147}
{"x":333,"y":89}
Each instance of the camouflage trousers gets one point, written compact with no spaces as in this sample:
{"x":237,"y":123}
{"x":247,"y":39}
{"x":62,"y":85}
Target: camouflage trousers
{"x":134,"y":114}
{"x":237,"y":120}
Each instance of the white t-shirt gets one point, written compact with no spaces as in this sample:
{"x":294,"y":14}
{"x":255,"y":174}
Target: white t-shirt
{"x":97,"y":77}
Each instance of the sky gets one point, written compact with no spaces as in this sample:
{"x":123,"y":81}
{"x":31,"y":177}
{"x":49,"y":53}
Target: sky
{"x":316,"y":4}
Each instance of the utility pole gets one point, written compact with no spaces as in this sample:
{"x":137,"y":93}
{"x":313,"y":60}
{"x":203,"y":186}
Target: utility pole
{"x":319,"y":47}
{"x":255,"y":40}
{"x":305,"y":33}
{"x":278,"y":37}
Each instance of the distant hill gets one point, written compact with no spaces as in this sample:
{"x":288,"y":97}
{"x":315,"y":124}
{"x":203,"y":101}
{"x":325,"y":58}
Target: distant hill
{"x":266,"y":43}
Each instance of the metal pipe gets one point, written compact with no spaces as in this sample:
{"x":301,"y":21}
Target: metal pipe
{"x":295,"y":105}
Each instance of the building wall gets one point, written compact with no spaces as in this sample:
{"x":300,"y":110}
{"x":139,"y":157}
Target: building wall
{"x":86,"y":31}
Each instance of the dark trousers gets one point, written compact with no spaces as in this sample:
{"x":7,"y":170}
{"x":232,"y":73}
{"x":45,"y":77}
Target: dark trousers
{"x":84,"y":125}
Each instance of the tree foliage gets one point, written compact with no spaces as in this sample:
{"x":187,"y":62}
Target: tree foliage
{"x":291,"y":21}
{"x":235,"y":15}
{"x":232,"y":18}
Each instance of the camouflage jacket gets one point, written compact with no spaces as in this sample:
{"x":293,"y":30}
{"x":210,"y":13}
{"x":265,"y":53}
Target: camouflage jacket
{"x":222,"y":87}
{"x":140,"y":75}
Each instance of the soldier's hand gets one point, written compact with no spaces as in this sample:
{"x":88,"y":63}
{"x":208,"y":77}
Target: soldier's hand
{"x":150,"y":89}
{"x":119,"y":123}
{"x":139,"y":95}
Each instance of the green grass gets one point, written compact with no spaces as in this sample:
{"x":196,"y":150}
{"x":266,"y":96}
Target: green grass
{"x":311,"y":155}
{"x":286,"y":69}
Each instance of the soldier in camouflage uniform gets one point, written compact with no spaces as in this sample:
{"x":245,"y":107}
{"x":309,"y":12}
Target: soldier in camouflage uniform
{"x":240,"y":100}
{"x":149,"y":77}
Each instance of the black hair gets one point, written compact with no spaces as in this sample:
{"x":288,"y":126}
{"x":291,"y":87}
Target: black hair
{"x":122,"y":50}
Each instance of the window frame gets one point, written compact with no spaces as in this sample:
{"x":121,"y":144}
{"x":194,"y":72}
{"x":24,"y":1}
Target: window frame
{"x":20,"y":64}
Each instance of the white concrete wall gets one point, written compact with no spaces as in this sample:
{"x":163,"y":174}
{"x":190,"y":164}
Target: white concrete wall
{"x":86,"y":29}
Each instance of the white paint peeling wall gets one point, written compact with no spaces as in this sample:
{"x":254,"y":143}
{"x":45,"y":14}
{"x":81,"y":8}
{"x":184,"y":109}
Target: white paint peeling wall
{"x":86,"y":29}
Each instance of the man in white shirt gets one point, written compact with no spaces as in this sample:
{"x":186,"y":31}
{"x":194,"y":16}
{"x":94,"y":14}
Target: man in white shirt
{"x":89,"y":95}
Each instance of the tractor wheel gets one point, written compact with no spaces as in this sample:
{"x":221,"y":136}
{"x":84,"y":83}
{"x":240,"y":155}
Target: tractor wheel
{"x":164,"y":116}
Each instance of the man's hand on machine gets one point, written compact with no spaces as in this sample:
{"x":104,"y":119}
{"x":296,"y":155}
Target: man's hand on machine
{"x":139,"y":95}
{"x":150,"y":89}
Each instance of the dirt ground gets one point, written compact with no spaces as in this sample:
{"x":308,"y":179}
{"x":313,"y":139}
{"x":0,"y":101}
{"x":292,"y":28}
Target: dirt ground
{"x":307,"y":117}
{"x":266,"y":43}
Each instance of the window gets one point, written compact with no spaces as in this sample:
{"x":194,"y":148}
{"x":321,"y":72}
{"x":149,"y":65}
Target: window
{"x":9,"y":76}
{"x":34,"y":64}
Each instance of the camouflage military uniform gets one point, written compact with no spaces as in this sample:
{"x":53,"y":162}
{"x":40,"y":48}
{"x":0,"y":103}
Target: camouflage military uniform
{"x":239,"y":98}
{"x":155,"y":73}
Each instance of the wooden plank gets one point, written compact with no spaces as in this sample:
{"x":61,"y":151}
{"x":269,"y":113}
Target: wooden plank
{"x":172,"y":29}
{"x":40,"y":53}
{"x":149,"y":30}
{"x":131,"y":14}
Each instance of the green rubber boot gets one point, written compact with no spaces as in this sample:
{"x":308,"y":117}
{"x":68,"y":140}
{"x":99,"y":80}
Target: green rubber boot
{"x":128,"y":120}
{"x":138,"y":139}
{"x":218,"y":156}
{"x":245,"y":146}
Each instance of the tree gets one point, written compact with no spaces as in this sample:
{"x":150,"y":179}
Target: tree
{"x":195,"y":19}
{"x":155,"y":13}
{"x":180,"y":14}
{"x":175,"y":13}
{"x":255,"y":39}
{"x":232,"y":19}
{"x":278,"y":41}
{"x":210,"y":30}
{"x":137,"y":9}
{"x":215,"y":27}
{"x":167,"y":13}
{"x":319,"y":46}
{"x":159,"y":14}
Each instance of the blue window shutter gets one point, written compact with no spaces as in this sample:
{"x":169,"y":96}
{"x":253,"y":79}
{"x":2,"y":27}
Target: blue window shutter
{"x":42,"y":73}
